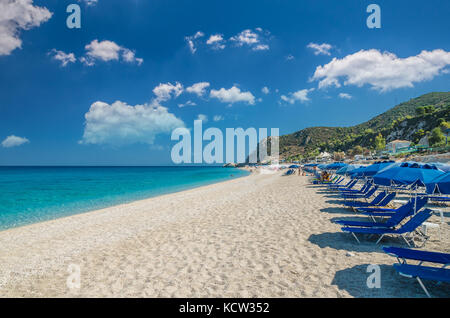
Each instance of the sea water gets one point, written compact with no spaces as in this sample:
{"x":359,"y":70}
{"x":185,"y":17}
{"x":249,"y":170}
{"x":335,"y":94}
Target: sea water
{"x":34,"y":194}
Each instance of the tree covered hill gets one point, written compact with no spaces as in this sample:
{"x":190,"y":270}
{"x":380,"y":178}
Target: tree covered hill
{"x":410,"y":120}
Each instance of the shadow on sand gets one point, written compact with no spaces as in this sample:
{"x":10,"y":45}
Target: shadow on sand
{"x":345,"y":241}
{"x":337,"y":210}
{"x":354,"y":281}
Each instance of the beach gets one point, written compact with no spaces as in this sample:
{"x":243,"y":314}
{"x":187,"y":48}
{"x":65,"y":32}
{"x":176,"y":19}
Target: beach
{"x":263,"y":235}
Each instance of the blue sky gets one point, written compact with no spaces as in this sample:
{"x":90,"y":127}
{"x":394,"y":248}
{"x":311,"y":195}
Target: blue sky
{"x":70,"y":96}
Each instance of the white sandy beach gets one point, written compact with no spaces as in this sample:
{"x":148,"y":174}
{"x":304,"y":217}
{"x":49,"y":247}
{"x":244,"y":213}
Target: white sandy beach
{"x":256,"y":236}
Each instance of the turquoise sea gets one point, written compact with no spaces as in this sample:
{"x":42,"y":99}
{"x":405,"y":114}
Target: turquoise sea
{"x":35,"y":194}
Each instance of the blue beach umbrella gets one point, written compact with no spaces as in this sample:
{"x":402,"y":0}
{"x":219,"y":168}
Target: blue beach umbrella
{"x":407,"y":173}
{"x":441,"y":184}
{"x":444,"y":167}
{"x":376,"y":167}
{"x":358,"y":172}
{"x":347,"y":169}
{"x":294,"y":166}
{"x":336,"y":165}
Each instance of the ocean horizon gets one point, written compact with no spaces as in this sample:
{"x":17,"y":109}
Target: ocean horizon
{"x":31,"y":194}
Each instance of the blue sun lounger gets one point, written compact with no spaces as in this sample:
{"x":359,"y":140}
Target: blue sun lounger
{"x":348,"y":186}
{"x":407,"y":228}
{"x":367,"y":194}
{"x":402,"y":213}
{"x":379,"y":201}
{"x":384,"y":212}
{"x":364,"y":188}
{"x":380,"y":196}
{"x":419,"y":271}
{"x":337,"y":182}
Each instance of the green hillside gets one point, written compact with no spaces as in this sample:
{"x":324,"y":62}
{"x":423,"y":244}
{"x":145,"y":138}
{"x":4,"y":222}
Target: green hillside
{"x":410,"y":120}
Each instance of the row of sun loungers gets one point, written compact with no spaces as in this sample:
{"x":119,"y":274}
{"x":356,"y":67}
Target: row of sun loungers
{"x":403,"y":222}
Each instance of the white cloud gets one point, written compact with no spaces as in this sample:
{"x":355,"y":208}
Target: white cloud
{"x":301,"y":95}
{"x":119,"y":124}
{"x":216,"y":41}
{"x":191,"y":40}
{"x":14,"y":141}
{"x":382,"y":71}
{"x":345,"y":96}
{"x":130,"y":56}
{"x":16,"y":16}
{"x":64,"y":58}
{"x":265,"y":90}
{"x":260,"y":47}
{"x":323,"y":48}
{"x":104,"y":50}
{"x":256,"y":40}
{"x":218,"y":118}
{"x":202,"y":117}
{"x":188,"y":103}
{"x":232,"y":95}
{"x":198,"y":88}
{"x":108,"y":51}
{"x":165,"y":91}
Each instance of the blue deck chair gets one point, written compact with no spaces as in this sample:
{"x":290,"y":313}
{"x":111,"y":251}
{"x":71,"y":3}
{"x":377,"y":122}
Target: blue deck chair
{"x":385,"y":200}
{"x":385,"y":212}
{"x":349,"y":185}
{"x":418,"y":271}
{"x":367,"y":194}
{"x":423,"y":272}
{"x":402,"y":213}
{"x":416,"y":205}
{"x":407,"y":228}
{"x":336,"y":182}
{"x":439,"y":199}
{"x":359,"y":204}
{"x":363,"y":188}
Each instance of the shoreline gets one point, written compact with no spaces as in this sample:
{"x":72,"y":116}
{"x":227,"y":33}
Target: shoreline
{"x":263,"y":235}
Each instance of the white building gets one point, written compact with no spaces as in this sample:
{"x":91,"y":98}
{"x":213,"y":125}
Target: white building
{"x":395,"y":145}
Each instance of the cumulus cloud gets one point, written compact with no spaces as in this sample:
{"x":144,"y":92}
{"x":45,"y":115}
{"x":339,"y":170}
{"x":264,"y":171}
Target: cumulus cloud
{"x":198,"y":88}
{"x":108,"y":51}
{"x":188,"y":103}
{"x":16,"y":16}
{"x":218,"y":118}
{"x":301,"y":95}
{"x":165,"y":91}
{"x":382,"y":71}
{"x":119,"y":123}
{"x":130,"y":56}
{"x":345,"y":96}
{"x":256,"y":40}
{"x":191,"y":40}
{"x":260,"y":47}
{"x":232,"y":95}
{"x":320,"y":49}
{"x":64,"y":58}
{"x":216,"y":41}
{"x":265,"y":90}
{"x":14,"y":141}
